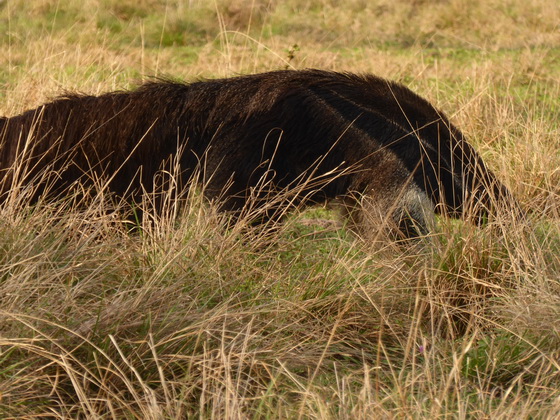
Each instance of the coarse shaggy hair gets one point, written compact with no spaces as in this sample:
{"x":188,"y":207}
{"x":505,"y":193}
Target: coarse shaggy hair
{"x":359,"y":139}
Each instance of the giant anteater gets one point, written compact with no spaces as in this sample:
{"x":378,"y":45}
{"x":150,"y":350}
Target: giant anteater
{"x":331,"y":135}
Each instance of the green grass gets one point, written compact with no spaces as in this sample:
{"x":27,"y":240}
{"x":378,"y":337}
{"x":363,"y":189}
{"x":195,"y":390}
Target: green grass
{"x":195,"y":317}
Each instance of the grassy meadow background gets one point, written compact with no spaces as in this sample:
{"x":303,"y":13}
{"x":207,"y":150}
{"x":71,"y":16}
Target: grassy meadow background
{"x":187,"y":318}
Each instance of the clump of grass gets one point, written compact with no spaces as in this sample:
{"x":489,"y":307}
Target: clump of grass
{"x":192,"y":314}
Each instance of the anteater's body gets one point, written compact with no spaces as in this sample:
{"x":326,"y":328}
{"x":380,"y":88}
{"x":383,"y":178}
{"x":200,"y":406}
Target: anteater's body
{"x":354,"y":135}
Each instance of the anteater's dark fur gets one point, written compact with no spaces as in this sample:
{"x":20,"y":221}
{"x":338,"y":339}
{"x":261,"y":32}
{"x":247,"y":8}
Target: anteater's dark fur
{"x":383,"y":141}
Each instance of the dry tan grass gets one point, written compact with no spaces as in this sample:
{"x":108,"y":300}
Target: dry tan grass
{"x":193,"y":317}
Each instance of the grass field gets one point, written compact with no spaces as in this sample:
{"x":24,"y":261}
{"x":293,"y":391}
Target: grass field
{"x":186,"y":318}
